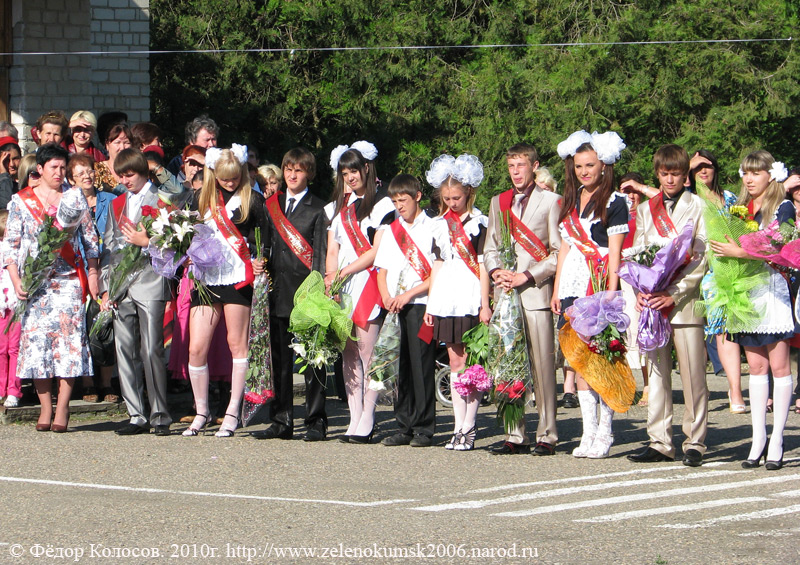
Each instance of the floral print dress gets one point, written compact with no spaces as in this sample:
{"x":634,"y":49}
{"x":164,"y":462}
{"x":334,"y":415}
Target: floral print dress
{"x":53,"y":340}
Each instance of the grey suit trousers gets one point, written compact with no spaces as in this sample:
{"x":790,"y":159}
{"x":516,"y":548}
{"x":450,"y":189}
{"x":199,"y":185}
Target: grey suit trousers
{"x":139,"y":338}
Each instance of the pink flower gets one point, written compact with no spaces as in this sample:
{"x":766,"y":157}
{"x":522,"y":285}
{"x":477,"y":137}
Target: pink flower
{"x":462,"y":384}
{"x":254,"y":398}
{"x":479,"y":378}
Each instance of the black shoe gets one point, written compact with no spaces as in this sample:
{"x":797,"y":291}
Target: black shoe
{"x":753,"y":463}
{"x":773,"y":465}
{"x":396,"y":439}
{"x":649,"y":455}
{"x":130,"y":430}
{"x":361,"y":439}
{"x":274,"y":432}
{"x":344,"y":439}
{"x":162,"y":430}
{"x":508,"y":448}
{"x":420,"y":441}
{"x":570,"y":400}
{"x":544,"y":448}
{"x":314,"y":434}
{"x":692,"y":458}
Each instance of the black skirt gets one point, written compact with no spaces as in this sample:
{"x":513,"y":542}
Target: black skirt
{"x":226,"y":294}
{"x":451,"y":329}
{"x":759,"y":340}
{"x":565,"y":303}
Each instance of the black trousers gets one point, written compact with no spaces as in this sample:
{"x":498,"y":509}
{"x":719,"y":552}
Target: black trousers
{"x":282,"y":408}
{"x":415,"y":407}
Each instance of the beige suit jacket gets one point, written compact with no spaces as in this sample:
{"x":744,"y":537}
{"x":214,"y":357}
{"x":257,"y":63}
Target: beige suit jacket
{"x":685,"y":289}
{"x":541,"y":217}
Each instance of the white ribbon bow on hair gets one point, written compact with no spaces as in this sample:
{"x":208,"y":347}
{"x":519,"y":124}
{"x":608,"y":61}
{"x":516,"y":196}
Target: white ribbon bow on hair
{"x":467,"y":170}
{"x":214,"y":153}
{"x":608,"y":145}
{"x":367,"y":150}
{"x":778,"y":172}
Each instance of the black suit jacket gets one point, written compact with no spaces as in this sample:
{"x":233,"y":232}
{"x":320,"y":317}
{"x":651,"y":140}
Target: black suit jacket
{"x":286,"y":270}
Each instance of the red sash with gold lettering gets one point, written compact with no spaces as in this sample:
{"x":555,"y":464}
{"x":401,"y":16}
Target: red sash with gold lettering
{"x":461,"y":243}
{"x":519,"y":231}
{"x":418,"y":262}
{"x":661,"y":219}
{"x":73,"y":259}
{"x":234,"y":239}
{"x":293,"y":238}
{"x":597,"y":263}
{"x":370,"y":295}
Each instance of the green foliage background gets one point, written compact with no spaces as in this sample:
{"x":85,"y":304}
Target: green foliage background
{"x":416,"y":104}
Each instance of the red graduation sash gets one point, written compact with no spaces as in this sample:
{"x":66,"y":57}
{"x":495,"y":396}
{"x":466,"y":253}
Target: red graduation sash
{"x":293,"y":238}
{"x":519,"y":231}
{"x":597,"y":263}
{"x":234,"y":239}
{"x":418,"y":262}
{"x":67,"y":253}
{"x":370,"y":295}
{"x":661,"y":219}
{"x":461,"y":243}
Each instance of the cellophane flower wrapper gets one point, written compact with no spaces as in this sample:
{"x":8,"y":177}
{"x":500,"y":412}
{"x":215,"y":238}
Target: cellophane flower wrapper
{"x":654,"y":328}
{"x":259,"y":387}
{"x":778,"y":244}
{"x":127,"y":262}
{"x":608,"y":374}
{"x":56,"y":229}
{"x":508,"y":360}
{"x":321,"y":325}
{"x":733,"y":278}
{"x":385,"y":363}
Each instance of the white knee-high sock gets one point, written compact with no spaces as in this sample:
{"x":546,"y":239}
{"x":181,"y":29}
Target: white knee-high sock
{"x":473,"y":402}
{"x":459,"y":404}
{"x":238,"y":377}
{"x":759,"y":394}
{"x":353,"y":384}
{"x":781,"y":400}
{"x":199,"y":378}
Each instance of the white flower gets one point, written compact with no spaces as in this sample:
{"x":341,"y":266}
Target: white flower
{"x":161,"y":221}
{"x":778,"y":172}
{"x":741,"y":173}
{"x":298,"y":348}
{"x":182,"y":230}
{"x":377,"y":386}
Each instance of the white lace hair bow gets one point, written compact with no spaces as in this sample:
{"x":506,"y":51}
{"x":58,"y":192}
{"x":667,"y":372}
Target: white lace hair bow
{"x":367,"y":150}
{"x":214,"y":153}
{"x":467,"y":170}
{"x":608,"y":145}
{"x":778,"y":172}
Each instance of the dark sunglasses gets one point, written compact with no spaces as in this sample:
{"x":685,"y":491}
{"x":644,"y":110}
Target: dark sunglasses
{"x":34,"y":175}
{"x":81,"y":129}
{"x":194,"y":163}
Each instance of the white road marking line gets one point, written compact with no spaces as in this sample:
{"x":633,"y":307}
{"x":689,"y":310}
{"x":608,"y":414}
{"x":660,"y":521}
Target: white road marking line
{"x":770,"y":534}
{"x":671,"y":509}
{"x":200,"y":493}
{"x":787,"y":493}
{"x":647,"y":496}
{"x":734,"y":518}
{"x":590,"y":478}
{"x":572,"y":490}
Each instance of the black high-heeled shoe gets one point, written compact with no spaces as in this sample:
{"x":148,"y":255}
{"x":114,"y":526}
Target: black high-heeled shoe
{"x":192,"y":431}
{"x":753,"y":463}
{"x":453,"y":440}
{"x":363,"y":439}
{"x":228,"y":432}
{"x":467,"y":441}
{"x":773,"y":465}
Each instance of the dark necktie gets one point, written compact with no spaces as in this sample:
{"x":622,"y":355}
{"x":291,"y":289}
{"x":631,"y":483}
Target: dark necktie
{"x":290,"y":207}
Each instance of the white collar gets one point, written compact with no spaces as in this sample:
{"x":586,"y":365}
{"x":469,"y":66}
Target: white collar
{"x":297,"y":198}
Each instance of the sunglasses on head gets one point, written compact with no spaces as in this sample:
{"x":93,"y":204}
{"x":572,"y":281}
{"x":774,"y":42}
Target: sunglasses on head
{"x":81,"y":129}
{"x":194,"y":163}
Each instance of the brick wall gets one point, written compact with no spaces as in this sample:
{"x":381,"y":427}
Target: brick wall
{"x":79,"y":82}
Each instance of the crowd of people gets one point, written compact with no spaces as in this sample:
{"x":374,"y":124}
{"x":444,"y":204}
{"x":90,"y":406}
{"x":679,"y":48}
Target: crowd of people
{"x":438,"y":268}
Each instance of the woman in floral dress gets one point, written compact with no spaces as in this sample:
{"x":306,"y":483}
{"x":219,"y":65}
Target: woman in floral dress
{"x":53,"y":338}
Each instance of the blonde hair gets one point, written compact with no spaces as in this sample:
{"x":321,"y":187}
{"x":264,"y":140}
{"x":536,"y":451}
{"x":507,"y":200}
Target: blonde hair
{"x":775,"y":193}
{"x":269,"y":171}
{"x":468,"y":190}
{"x":544,"y":176}
{"x":227,"y":166}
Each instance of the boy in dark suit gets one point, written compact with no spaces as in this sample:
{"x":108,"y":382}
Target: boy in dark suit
{"x":296,"y":236}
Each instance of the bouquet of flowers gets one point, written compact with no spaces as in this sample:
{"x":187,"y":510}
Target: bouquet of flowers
{"x":57,"y":228}
{"x":127,"y":262}
{"x":508,"y":361}
{"x":598,"y":354}
{"x":654,"y":327}
{"x":259,"y":387}
{"x":778,"y":244}
{"x":643,"y":255}
{"x":734,"y":279}
{"x":384,"y":366}
{"x":181,"y":235}
{"x":321,"y":325}
{"x":475,"y":378}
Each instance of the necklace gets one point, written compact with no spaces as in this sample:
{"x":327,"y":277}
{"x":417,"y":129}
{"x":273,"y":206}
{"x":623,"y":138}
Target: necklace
{"x":50,"y":198}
